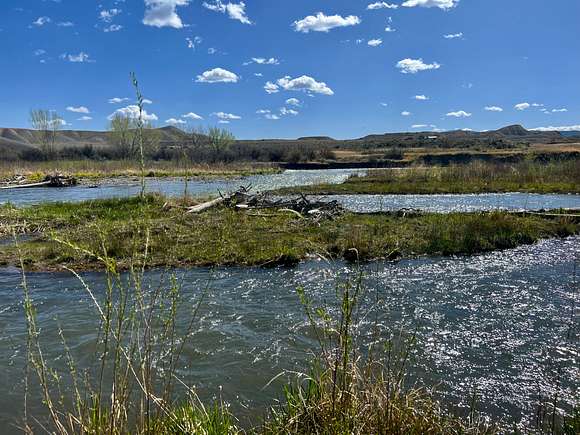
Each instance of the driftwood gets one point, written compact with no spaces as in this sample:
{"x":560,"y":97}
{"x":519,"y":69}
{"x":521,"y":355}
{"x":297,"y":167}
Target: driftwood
{"x":301,"y":206}
{"x":49,"y":181}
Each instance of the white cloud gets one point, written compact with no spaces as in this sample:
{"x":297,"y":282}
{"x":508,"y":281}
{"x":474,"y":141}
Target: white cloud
{"x":211,"y":50}
{"x":263,"y":61}
{"x":537,"y":105}
{"x":162,"y":13}
{"x":77,"y":58}
{"x":389,"y":29}
{"x":132,"y":112}
{"x":383,"y":104}
{"x":65,"y":24}
{"x":84,"y":118}
{"x":271,"y":88}
{"x":522,"y":106}
{"x":80,"y":109}
{"x":117,"y":100}
{"x":324,"y":23}
{"x":41,"y":21}
{"x":193,"y":42}
{"x":493,"y":109}
{"x":459,"y":114}
{"x":173,"y":121}
{"x":381,"y":5}
{"x":107,"y":15}
{"x":284,"y":111}
{"x":258,"y":75}
{"x":217,"y":75}
{"x":262,"y":111}
{"x":236,"y":11}
{"x":405,"y":113}
{"x":112,"y":28}
{"x":453,"y":35}
{"x":375,"y":42}
{"x":226,"y":116}
{"x":304,"y":83}
{"x":413,"y":66}
{"x":421,"y":97}
{"x":423,"y":126}
{"x":562,"y":128}
{"x":559,"y":110}
{"x":293,"y":102}
{"x":192,"y":115}
{"x":39,"y":52}
{"x":271,"y":116}
{"x":441,"y":4}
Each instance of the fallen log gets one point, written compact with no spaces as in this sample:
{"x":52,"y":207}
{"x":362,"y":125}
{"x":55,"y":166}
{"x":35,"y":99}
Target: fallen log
{"x":49,"y":181}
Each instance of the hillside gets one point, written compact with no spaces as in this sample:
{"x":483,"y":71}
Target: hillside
{"x":15,"y":141}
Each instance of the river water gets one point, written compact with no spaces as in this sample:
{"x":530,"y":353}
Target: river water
{"x":290,"y":178}
{"x":502,"y":323}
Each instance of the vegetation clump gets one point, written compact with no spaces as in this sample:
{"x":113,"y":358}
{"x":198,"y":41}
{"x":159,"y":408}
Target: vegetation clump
{"x":224,"y":236}
{"x":476,"y":177}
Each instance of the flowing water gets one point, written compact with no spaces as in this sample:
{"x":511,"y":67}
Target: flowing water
{"x":290,"y":178}
{"x":502,"y":323}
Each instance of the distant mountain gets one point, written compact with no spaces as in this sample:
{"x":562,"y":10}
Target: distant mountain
{"x":15,"y":141}
{"x":570,"y":133}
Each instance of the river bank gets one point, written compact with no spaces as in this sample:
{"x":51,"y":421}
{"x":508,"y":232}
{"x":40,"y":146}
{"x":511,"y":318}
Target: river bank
{"x":76,"y":235}
{"x":528,"y":177}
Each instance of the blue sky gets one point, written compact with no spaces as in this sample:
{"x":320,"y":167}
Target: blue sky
{"x":289,"y":68}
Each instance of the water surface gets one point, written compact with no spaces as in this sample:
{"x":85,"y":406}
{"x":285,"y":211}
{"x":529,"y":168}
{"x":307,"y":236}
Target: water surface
{"x":503,"y":323}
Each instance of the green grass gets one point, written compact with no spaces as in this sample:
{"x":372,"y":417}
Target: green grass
{"x":555,"y":177}
{"x":223,"y":236}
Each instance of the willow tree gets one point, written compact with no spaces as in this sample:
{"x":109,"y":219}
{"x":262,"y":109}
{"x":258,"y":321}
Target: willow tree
{"x":47,"y":123}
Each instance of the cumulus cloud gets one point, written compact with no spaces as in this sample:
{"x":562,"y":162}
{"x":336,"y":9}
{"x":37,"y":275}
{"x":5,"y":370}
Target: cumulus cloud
{"x":453,"y":35}
{"x":84,"y":118}
{"x":293,"y":102}
{"x":192,"y":115}
{"x":563,"y":109}
{"x":117,"y":100}
{"x":236,"y":11}
{"x":324,"y":23}
{"x":304,"y":83}
{"x":162,"y":13}
{"x":262,"y":111}
{"x":41,"y":21}
{"x":112,"y":28}
{"x":381,"y":5}
{"x":263,"y":61}
{"x":132,"y":112}
{"x":77,"y":58}
{"x":522,"y":106}
{"x":226,"y":116}
{"x":413,"y":66}
{"x":271,"y":88}
{"x":271,"y":116}
{"x":375,"y":42}
{"x":173,"y":121}
{"x":107,"y":15}
{"x":284,"y":111}
{"x":421,"y":97}
{"x":217,"y":75}
{"x":561,"y":128}
{"x":389,"y":29}
{"x":80,"y":109}
{"x":459,"y":114}
{"x":405,"y":113}
{"x":493,"y":109}
{"x":441,"y":4}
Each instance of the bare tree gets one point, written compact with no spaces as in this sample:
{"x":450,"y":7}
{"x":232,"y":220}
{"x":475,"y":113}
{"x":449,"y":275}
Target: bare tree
{"x":46,"y":123}
{"x":220,"y":140}
{"x":122,"y":136}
